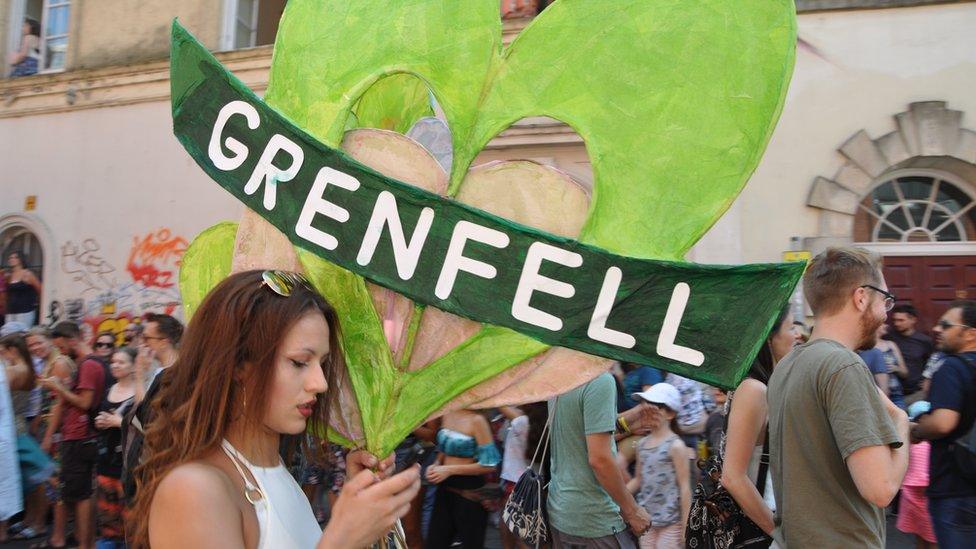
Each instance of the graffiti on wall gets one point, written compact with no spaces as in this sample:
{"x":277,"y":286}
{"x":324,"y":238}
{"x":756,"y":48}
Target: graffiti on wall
{"x":98,"y":297}
{"x":86,"y":266}
{"x":154,"y":260}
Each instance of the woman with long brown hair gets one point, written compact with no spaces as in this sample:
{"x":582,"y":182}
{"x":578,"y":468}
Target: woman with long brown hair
{"x":256,"y":362}
{"x":747,"y":432}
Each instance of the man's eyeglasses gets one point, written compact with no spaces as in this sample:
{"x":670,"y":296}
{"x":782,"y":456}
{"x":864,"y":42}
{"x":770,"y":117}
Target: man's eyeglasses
{"x":945,"y":325}
{"x":283,"y":282}
{"x":889,"y":301}
{"x":104,"y":345}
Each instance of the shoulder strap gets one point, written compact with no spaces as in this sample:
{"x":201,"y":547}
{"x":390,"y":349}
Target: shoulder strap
{"x":725,"y":426}
{"x":763,"y":465}
{"x":544,"y":439}
{"x":252,"y":493}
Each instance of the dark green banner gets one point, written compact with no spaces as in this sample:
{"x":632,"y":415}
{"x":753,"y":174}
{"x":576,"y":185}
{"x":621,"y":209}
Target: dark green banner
{"x":706,"y":322}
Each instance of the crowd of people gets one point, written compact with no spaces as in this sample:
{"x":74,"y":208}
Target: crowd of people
{"x":67,"y":399}
{"x":129,"y":434}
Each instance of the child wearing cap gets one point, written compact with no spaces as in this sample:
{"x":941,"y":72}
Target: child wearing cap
{"x":661,"y":477}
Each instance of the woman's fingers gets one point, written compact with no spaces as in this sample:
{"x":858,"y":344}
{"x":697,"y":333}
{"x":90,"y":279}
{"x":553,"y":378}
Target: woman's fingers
{"x":359,"y":482}
{"x":408,"y":480}
{"x":387,"y":465}
{"x":359,"y":460}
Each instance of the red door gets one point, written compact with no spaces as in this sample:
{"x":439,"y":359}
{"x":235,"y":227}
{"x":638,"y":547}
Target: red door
{"x":930,"y":283}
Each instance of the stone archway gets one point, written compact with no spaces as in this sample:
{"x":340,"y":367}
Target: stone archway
{"x":928,"y":135}
{"x":49,"y":250}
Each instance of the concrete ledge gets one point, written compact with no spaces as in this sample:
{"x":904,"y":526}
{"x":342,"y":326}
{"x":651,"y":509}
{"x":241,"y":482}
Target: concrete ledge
{"x":116,"y":85}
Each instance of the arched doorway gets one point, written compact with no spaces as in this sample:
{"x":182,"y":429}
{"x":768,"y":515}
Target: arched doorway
{"x":20,"y":239}
{"x":910,"y":196}
{"x":924,"y":223}
{"x":28,"y":234}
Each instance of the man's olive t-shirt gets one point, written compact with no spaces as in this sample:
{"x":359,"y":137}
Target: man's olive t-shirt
{"x":823,"y":406}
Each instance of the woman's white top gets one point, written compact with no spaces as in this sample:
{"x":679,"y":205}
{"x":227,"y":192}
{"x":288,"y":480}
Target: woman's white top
{"x":285,"y":518}
{"x":515,"y":463}
{"x":767,"y":495}
{"x":33,"y":46}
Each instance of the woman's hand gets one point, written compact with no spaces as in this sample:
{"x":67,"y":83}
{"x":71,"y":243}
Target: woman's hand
{"x":361,"y":460}
{"x":368,"y":507}
{"x":108,"y":420}
{"x":438,"y":473}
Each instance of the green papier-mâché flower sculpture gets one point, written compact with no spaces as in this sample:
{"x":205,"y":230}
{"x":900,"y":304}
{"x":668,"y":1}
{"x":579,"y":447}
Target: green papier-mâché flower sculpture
{"x":507,"y":282}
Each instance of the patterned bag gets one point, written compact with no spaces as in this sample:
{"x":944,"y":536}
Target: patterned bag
{"x":525,"y":511}
{"x":716,"y":521}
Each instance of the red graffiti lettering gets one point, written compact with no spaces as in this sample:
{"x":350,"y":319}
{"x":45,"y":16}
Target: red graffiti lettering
{"x":155,"y":258}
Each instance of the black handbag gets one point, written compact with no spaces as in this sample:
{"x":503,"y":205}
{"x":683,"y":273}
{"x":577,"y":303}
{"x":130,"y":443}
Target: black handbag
{"x":525,"y":511}
{"x":716,"y":521}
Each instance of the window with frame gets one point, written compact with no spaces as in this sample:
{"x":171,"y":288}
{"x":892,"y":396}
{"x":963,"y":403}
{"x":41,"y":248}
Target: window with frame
{"x":251,"y":23}
{"x":917,"y":206}
{"x":54,"y":17}
{"x":54,"y":34}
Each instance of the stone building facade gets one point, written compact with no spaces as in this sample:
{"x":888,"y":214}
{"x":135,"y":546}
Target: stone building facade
{"x":876,"y":145}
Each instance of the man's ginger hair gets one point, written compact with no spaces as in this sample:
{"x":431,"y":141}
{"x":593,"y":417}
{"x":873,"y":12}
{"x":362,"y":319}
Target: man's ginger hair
{"x":835,"y":273}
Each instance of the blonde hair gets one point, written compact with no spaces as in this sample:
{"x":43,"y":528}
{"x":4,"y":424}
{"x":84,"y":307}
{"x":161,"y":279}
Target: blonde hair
{"x":835,"y":273}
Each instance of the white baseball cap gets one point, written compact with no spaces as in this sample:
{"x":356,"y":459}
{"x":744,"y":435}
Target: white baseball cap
{"x":662,"y":393}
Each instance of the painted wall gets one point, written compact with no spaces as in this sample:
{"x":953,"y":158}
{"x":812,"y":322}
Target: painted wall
{"x":119,"y":200}
{"x":867,"y":66}
{"x":124,"y":31}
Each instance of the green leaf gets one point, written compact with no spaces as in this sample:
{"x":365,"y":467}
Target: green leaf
{"x":206,"y":262}
{"x":393,"y":103}
{"x":675,"y":100}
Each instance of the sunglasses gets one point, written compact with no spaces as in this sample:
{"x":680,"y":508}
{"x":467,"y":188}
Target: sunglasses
{"x":104,"y":345}
{"x":889,"y":301}
{"x":945,"y":325}
{"x":283,"y":283}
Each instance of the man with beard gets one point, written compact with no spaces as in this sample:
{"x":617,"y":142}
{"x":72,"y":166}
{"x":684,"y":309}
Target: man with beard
{"x":952,"y":496}
{"x":838,"y":446}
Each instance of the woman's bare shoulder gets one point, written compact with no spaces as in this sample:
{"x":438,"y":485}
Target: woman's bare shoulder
{"x":198,"y":496}
{"x":198,"y":483}
{"x":749,"y":388}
